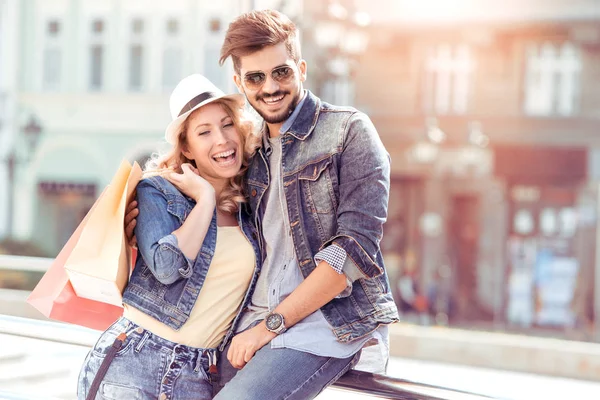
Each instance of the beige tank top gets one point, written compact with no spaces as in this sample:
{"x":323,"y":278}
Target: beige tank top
{"x":226,"y":283}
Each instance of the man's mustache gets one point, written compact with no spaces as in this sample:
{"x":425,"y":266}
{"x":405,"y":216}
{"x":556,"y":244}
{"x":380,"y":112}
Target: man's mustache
{"x":269,"y":95}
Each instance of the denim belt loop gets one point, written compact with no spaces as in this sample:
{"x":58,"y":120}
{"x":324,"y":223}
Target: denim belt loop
{"x":142,"y":341}
{"x":213,"y":372}
{"x":198,"y":366}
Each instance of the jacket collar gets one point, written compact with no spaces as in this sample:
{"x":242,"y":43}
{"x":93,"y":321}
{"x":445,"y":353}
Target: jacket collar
{"x":306,"y":120}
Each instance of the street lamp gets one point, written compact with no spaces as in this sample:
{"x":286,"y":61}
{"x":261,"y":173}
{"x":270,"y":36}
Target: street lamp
{"x":474,"y":156}
{"x":341,"y":34}
{"x":470,"y":159}
{"x":32,"y":133}
{"x":427,"y":150}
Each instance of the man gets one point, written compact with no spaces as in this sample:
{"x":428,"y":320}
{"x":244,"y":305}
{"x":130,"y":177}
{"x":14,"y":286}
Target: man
{"x":318,"y":190}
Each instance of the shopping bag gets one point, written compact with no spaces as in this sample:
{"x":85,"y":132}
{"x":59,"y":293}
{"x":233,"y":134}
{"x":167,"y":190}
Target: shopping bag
{"x":54,"y":296}
{"x":100,"y":263}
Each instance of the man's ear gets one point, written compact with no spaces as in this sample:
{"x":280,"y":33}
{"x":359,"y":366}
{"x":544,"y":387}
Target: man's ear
{"x":303,"y":68}
{"x":238,"y":83}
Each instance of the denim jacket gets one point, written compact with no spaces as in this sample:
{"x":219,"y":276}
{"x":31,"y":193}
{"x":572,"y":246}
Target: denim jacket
{"x":336,"y":178}
{"x":165,"y":283}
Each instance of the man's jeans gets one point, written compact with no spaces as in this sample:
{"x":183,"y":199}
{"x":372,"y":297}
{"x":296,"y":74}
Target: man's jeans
{"x":278,"y":374}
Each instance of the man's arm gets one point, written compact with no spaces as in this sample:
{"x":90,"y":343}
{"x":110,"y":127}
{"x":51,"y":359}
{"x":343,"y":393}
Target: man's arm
{"x":318,"y":289}
{"x":364,"y":186}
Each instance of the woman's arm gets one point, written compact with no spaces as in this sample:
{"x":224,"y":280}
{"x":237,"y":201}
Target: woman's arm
{"x":169,"y":247}
{"x":191,"y":234}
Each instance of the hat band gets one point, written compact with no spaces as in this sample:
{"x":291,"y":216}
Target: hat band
{"x":197,"y":100}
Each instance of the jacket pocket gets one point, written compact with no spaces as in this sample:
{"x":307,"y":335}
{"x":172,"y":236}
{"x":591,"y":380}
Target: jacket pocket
{"x":317,"y":187}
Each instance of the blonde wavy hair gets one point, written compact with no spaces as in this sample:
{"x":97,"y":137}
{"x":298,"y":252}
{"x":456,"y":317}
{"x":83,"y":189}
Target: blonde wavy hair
{"x":171,"y":161}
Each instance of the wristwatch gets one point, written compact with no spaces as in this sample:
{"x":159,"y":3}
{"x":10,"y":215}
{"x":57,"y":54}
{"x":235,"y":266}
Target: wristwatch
{"x":275,"y":323}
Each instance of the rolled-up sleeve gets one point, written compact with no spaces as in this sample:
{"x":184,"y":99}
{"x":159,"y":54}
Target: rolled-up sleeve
{"x":171,"y":254}
{"x":364,"y":184}
{"x":156,"y":242}
{"x":337,"y":259}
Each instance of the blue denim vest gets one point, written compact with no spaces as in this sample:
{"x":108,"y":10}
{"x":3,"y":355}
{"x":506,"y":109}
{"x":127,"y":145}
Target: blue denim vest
{"x":336,"y":178}
{"x":164,"y":283}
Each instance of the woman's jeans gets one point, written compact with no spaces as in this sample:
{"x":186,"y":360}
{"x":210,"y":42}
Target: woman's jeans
{"x":147,"y":367}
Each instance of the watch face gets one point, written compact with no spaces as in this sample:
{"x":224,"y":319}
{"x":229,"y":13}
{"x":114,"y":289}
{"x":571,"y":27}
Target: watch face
{"x":274,"y":321}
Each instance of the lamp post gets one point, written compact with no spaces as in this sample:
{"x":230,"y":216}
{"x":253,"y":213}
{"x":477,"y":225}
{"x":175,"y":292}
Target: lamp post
{"x":341,"y":35}
{"x":32,"y":132}
{"x":427,"y":150}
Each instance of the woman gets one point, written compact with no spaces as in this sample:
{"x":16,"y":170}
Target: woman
{"x":198,"y":257}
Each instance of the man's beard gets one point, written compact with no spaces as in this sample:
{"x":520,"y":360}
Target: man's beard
{"x":285,"y":114}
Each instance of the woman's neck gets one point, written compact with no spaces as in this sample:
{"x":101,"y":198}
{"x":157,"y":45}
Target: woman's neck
{"x":218,"y":186}
{"x":226,"y":219}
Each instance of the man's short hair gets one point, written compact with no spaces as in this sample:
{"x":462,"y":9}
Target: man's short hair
{"x":252,"y":31}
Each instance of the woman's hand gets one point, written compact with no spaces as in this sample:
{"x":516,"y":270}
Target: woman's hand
{"x":191,"y":183}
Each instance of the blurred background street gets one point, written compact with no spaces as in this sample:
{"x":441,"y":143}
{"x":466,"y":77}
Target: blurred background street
{"x":490,"y":112}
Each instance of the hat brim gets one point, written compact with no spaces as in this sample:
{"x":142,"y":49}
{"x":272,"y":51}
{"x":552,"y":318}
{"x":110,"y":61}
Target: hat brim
{"x":175,"y":125}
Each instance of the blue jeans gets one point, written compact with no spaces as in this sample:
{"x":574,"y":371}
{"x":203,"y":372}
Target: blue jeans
{"x":278,"y":374}
{"x":147,"y":367}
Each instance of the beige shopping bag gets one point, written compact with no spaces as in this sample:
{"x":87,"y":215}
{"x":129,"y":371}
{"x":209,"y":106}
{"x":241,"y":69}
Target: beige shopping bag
{"x":54,"y":296}
{"x":100,"y":263}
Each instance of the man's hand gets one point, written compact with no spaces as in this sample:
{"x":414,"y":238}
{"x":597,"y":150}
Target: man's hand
{"x":131,"y":214}
{"x":244,"y":345}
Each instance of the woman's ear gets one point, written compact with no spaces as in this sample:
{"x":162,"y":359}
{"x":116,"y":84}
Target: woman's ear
{"x":186,"y":152}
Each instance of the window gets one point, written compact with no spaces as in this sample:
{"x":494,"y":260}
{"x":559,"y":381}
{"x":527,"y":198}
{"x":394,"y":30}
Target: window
{"x":96,"y":63}
{"x":212,"y":69}
{"x":52,"y":56}
{"x":135,"y":67}
{"x":53,"y":28}
{"x":171,"y":67}
{"x":214,"y":25}
{"x":552,"y":79}
{"x":98,"y":26}
{"x":96,"y":54}
{"x":52,"y":68}
{"x":136,"y":55}
{"x":172,"y":55}
{"x":172,"y":27}
{"x":448,"y":79}
{"x":137,"y":26}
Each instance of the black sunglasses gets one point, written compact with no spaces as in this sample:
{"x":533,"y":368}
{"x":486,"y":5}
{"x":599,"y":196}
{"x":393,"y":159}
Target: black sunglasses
{"x":255,"y":80}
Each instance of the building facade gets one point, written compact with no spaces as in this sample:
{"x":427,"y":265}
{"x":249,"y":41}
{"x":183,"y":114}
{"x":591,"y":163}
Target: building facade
{"x":96,"y":76}
{"x":490,"y":113}
{"x":9,"y":24}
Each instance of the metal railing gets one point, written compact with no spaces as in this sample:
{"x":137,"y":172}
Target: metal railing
{"x":25,"y":264}
{"x":365,"y":383}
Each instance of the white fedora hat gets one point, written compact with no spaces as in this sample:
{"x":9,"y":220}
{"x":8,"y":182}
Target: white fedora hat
{"x":190,"y":94}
